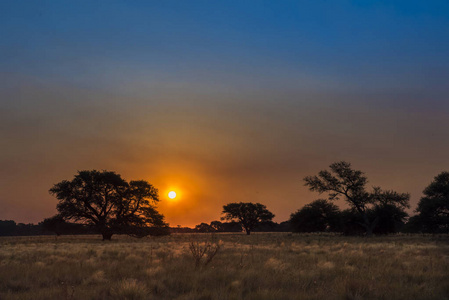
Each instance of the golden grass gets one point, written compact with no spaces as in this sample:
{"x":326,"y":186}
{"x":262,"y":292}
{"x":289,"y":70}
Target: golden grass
{"x":260,"y":266}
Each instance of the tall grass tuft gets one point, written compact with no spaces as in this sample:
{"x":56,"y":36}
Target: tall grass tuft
{"x":130,"y":289}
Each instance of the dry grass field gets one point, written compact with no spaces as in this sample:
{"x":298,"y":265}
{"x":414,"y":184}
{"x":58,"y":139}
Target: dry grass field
{"x":260,"y":266}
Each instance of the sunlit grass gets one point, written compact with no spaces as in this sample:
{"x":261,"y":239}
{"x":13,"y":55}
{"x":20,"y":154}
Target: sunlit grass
{"x":260,"y":266}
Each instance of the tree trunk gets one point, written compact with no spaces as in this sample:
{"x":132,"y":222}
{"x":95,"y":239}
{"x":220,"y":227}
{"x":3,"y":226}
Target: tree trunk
{"x":107,"y":235}
{"x":248,"y":232}
{"x":369,"y":230}
{"x":369,"y":226}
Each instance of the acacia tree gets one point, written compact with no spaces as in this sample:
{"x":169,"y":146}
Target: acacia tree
{"x":247,"y":214}
{"x":344,"y":182}
{"x":433,"y":208}
{"x":108,"y":203}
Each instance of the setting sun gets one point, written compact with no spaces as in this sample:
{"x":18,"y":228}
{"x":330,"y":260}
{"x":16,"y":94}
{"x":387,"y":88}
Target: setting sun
{"x":172,"y":195}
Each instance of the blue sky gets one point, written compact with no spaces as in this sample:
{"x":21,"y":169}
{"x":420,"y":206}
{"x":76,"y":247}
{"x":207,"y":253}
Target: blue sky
{"x":231,"y":96}
{"x":396,"y":44}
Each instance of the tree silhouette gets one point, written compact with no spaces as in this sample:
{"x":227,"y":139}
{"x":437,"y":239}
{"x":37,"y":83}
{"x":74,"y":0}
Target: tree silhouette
{"x":343,"y":182}
{"x":226,"y":226}
{"x":58,"y":225}
{"x":7,"y":227}
{"x":109,"y":203}
{"x":247,"y":214}
{"x":391,"y":218}
{"x":319,"y":215}
{"x":433,"y":208}
{"x":204,"y":227}
{"x":217,"y":226}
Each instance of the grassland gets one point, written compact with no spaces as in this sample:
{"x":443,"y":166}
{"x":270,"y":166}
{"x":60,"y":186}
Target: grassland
{"x":260,"y":266}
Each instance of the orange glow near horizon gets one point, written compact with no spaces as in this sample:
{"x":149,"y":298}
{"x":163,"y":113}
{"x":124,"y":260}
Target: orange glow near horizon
{"x":191,"y":204}
{"x":172,"y":193}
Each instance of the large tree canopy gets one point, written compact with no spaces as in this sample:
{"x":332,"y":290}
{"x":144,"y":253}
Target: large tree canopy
{"x":344,"y":182}
{"x":247,"y":214}
{"x":109,"y":203}
{"x":433,"y":208}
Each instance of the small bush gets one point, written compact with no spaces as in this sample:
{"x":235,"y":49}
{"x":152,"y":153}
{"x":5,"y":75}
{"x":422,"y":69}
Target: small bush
{"x":206,"y":250}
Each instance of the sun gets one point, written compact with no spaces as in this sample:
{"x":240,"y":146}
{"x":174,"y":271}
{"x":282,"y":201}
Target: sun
{"x":172,"y":195}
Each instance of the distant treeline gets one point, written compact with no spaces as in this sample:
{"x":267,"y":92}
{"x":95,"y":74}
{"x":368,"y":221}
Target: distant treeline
{"x":344,"y":223}
{"x":11,"y":228}
{"x":217,"y":226}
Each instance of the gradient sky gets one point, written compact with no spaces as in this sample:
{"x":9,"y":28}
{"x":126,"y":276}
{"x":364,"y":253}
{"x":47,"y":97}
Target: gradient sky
{"x":222,"y":101}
